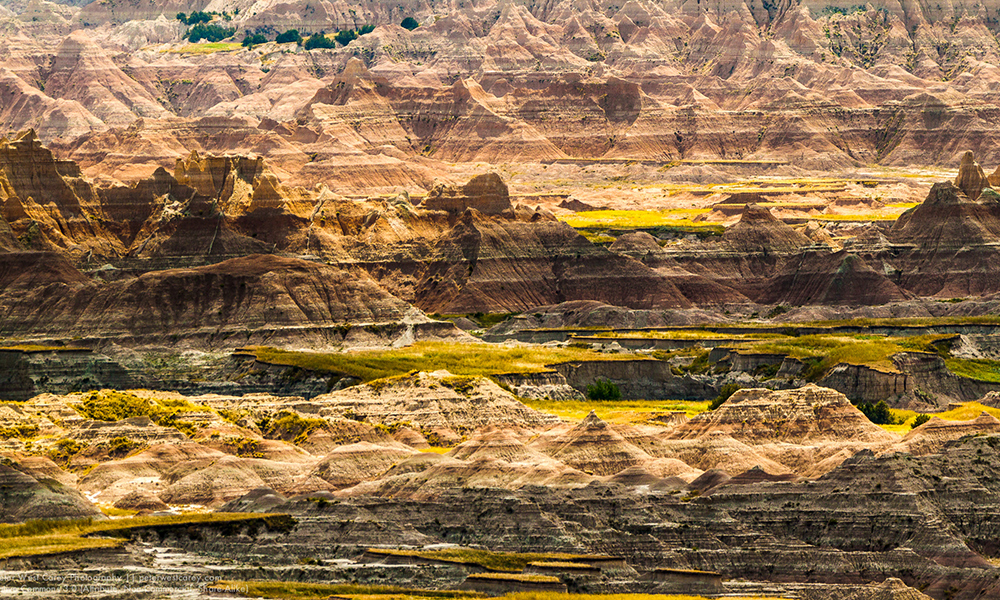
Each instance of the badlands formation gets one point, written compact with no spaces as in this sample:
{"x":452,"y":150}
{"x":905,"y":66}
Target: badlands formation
{"x":589,"y":297}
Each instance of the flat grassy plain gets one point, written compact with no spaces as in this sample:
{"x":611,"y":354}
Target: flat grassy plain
{"x":631,"y":219}
{"x":41,"y":537}
{"x":316,"y":591}
{"x":470,"y":360}
{"x":616,"y":411}
{"x":860,"y":349}
{"x":513,"y":562}
{"x":207,"y":48}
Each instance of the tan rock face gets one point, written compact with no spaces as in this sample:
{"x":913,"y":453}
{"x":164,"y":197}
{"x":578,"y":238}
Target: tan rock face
{"x":434,"y":402}
{"x":485,"y":193}
{"x":759,"y":231}
{"x":594,"y":447}
{"x":808,"y":415}
{"x":933,"y":435}
{"x":971,"y":179}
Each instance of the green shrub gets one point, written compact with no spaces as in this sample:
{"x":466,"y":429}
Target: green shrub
{"x":603,"y":389}
{"x":122,"y":446}
{"x":292,"y":35}
{"x":319,"y":40}
{"x":409,"y":23}
{"x":920,"y":420}
{"x":64,"y":450}
{"x":345,"y":36}
{"x":109,"y":405}
{"x":878,"y":413}
{"x":210,"y":32}
{"x":19,"y":431}
{"x":289,"y":426}
{"x":194,"y":18}
{"x":724,"y":393}
{"x":254,"y":39}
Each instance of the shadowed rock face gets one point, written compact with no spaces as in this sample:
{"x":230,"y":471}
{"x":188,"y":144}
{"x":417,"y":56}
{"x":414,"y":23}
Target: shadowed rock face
{"x":257,"y":292}
{"x":25,"y":497}
{"x":840,"y":278}
{"x":506,"y":266}
{"x":759,"y":231}
{"x":485,"y":193}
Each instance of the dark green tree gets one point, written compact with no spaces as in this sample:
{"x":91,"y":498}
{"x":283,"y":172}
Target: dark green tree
{"x":409,"y":23}
{"x":346,"y":36}
{"x":292,"y":35}
{"x":254,"y":39}
{"x":603,"y":389}
{"x":319,"y":40}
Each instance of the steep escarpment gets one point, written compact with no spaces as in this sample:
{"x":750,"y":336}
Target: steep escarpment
{"x":255,"y":294}
{"x":508,"y":266}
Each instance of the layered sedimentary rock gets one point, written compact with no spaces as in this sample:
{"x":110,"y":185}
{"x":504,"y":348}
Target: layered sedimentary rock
{"x":485,"y":193}
{"x":25,"y":497}
{"x":810,"y":414}
{"x":255,"y":293}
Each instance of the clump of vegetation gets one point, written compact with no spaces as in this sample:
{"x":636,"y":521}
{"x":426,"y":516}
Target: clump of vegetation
{"x":110,"y":405}
{"x":319,"y":40}
{"x":724,"y":393}
{"x":210,"y":32}
{"x":342,"y":37}
{"x":20,"y":431}
{"x":63,"y":451}
{"x":53,"y":536}
{"x":289,"y":426}
{"x":321,"y":591}
{"x":289,"y":36}
{"x":919,"y":420}
{"x":603,"y":389}
{"x":194,"y":18}
{"x":409,"y":23}
{"x":122,"y":446}
{"x":527,"y":577}
{"x":244,"y":447}
{"x":254,"y":39}
{"x":462,"y":385}
{"x":878,"y":413}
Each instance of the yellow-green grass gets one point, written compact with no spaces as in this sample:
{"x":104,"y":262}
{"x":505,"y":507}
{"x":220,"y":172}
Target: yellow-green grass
{"x":35,"y":538}
{"x":111,"y":511}
{"x":865,"y":217}
{"x":630,"y":219}
{"x":616,"y":411}
{"x":908,"y":322}
{"x":688,"y":334}
{"x":597,"y":238}
{"x":289,"y":590}
{"x":975,"y":368}
{"x":853,"y":350}
{"x":207,"y":48}
{"x":466,"y":359}
{"x":436,"y":449}
{"x":530,"y":578}
{"x":967,"y":411}
{"x":513,"y":562}
{"x":40,"y":348}
{"x":320,"y":591}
